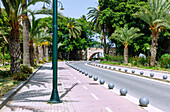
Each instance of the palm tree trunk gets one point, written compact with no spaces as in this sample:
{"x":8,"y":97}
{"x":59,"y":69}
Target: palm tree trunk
{"x":104,"y":42}
{"x":26,"y":56}
{"x":46,"y":53}
{"x":37,"y":55}
{"x":126,"y":54}
{"x":3,"y":52}
{"x":68,"y":55}
{"x":15,"y":52}
{"x":155,"y":37}
{"x":31,"y":47}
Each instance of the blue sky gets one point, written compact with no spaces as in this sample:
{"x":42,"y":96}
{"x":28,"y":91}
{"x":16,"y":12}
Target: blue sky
{"x":73,"y":8}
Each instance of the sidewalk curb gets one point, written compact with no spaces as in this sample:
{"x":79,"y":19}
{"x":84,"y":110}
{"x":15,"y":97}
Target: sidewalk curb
{"x":12,"y":92}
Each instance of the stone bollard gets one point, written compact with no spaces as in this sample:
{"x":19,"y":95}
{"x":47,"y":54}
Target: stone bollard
{"x":123,"y":91}
{"x":90,"y":76}
{"x":133,"y":71}
{"x":86,"y":74}
{"x":141,"y":73}
{"x":95,"y":78}
{"x":119,"y":69}
{"x":165,"y":77}
{"x":144,"y":101}
{"x":102,"y":81}
{"x":151,"y":74}
{"x":110,"y":85}
{"x":126,"y":70}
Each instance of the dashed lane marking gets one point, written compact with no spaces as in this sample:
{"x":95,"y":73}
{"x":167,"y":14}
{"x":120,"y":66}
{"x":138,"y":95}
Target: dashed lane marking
{"x":108,"y":109}
{"x":94,"y":96}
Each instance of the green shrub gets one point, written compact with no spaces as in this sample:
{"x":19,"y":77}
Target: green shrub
{"x":7,"y":56}
{"x":165,"y":60}
{"x":4,"y":73}
{"x":41,"y":61}
{"x":26,"y":69}
{"x":44,"y":59}
{"x":20,"y":76}
{"x":107,"y":58}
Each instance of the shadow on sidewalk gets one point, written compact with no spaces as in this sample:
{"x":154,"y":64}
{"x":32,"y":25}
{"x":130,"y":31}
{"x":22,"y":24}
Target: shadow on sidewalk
{"x":68,"y":90}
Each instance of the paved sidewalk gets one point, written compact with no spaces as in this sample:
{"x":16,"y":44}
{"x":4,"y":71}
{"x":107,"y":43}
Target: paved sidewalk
{"x":78,"y":93}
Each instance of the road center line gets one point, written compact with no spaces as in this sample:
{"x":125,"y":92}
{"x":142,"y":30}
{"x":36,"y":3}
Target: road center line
{"x":85,"y":87}
{"x":108,"y":109}
{"x":75,"y":78}
{"x":95,"y":97}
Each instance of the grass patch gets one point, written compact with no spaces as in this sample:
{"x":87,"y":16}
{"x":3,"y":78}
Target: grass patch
{"x":140,"y":66}
{"x":8,"y":81}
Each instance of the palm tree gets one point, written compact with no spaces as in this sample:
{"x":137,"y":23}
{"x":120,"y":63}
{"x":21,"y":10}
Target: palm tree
{"x":13,"y":8}
{"x":74,"y":31}
{"x":26,"y":54}
{"x":94,"y":14}
{"x":125,"y":36}
{"x":157,"y":16}
{"x":73,"y":28}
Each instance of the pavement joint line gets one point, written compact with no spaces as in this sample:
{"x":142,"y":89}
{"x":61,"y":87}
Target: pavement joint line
{"x":131,"y":75}
{"x":132,"y":99}
{"x":94,"y":96}
{"x":85,"y":87}
{"x":78,"y":81}
{"x":108,"y":109}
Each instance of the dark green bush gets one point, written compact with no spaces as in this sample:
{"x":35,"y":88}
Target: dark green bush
{"x":26,"y":69}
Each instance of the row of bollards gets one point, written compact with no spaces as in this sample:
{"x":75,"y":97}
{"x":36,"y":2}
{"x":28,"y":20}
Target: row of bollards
{"x":143,"y":101}
{"x":126,"y":70}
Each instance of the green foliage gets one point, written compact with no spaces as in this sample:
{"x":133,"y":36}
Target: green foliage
{"x":4,"y":73}
{"x":7,"y":56}
{"x":165,"y":60}
{"x":20,"y":76}
{"x":41,"y":61}
{"x":25,"y":69}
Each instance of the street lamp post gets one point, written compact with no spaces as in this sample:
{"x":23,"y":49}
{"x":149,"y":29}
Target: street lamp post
{"x":54,"y":95}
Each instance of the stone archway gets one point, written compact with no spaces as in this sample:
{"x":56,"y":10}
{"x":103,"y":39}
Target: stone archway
{"x":92,"y":51}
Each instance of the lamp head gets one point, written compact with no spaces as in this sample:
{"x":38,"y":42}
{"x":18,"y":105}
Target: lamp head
{"x":43,"y":6}
{"x":62,"y":8}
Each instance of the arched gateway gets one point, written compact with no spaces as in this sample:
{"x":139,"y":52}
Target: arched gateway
{"x":93,"y":51}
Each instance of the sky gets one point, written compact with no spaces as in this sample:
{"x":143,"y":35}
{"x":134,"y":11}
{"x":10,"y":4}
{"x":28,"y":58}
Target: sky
{"x":73,"y":8}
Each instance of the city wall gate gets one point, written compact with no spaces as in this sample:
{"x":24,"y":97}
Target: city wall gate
{"x":93,"y":51}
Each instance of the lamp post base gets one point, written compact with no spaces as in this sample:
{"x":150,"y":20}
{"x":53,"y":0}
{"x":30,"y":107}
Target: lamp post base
{"x":54,"y":102}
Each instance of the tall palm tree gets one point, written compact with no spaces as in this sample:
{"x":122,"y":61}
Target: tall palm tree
{"x":94,"y":14}
{"x":26,"y":54}
{"x":74,"y":30}
{"x":125,"y":36}
{"x":157,"y":16}
{"x":13,"y":8}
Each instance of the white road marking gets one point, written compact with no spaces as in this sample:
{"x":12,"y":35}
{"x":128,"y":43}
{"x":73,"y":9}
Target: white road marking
{"x":134,"y":100}
{"x":95,"y":97}
{"x":75,"y":78}
{"x":78,"y":81}
{"x":108,"y":109}
{"x":85,"y":87}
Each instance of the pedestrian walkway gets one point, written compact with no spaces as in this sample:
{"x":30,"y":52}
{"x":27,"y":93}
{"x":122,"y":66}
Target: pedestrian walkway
{"x":78,"y":93}
{"x":157,"y":74}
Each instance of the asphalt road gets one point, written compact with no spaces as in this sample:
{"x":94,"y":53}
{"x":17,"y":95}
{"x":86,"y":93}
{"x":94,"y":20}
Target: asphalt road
{"x":158,"y":93}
